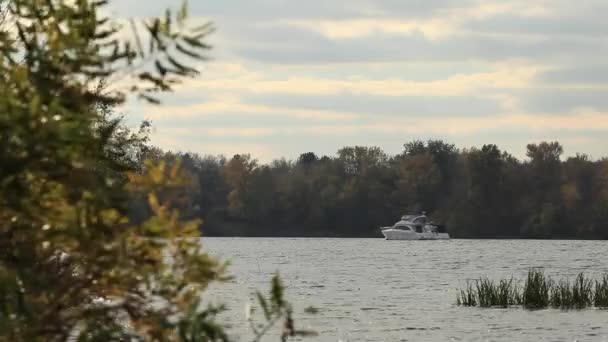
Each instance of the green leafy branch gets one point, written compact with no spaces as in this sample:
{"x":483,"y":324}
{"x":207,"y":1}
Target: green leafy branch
{"x":275,"y":308}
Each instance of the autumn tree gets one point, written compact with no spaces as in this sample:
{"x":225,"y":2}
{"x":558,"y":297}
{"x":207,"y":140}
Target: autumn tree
{"x":477,"y":192}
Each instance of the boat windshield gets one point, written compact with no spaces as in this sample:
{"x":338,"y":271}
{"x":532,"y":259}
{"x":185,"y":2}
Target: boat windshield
{"x":420,"y":219}
{"x":408,"y":217}
{"x":402,"y":225}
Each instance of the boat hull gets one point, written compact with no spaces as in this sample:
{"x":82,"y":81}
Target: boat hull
{"x":400,"y":234}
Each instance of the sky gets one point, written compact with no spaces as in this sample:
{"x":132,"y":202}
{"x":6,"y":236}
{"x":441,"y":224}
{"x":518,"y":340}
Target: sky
{"x":287,"y":77}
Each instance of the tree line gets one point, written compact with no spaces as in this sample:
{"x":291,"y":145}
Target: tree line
{"x":477,"y":192}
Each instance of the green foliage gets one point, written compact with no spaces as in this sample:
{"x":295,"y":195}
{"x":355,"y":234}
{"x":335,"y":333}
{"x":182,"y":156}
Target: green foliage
{"x":561,"y":294}
{"x":477,"y":193}
{"x":600,"y":297}
{"x":508,"y":293}
{"x":538,"y":292}
{"x":467,"y":296}
{"x":275,"y":308}
{"x":486,"y":293}
{"x":582,"y":294}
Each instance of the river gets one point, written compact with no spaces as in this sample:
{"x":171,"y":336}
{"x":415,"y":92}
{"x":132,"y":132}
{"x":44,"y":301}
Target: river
{"x":377,"y":290}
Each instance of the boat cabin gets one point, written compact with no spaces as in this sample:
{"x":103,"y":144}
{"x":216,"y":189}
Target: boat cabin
{"x":416,"y":223}
{"x":415,"y":227}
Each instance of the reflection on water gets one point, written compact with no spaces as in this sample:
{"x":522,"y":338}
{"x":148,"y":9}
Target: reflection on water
{"x":373,"y":290}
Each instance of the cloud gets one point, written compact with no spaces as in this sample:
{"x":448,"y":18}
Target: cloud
{"x":582,"y":129}
{"x":236,"y":77}
{"x":481,"y":46}
{"x":318,"y":75}
{"x":558,"y":101}
{"x":377,"y":107}
{"x":579,"y":75}
{"x":221,"y":107}
{"x":439,"y":26}
{"x":583,"y":20}
{"x":181,"y":140}
{"x":267,"y":9}
{"x":358,"y":28}
{"x":581,"y":120}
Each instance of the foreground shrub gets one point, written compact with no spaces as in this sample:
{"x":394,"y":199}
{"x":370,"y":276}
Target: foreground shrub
{"x":72,"y":264}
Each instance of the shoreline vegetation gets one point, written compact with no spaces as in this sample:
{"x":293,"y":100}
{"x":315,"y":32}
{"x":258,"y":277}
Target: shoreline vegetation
{"x":476,"y":192}
{"x":537,"y":292}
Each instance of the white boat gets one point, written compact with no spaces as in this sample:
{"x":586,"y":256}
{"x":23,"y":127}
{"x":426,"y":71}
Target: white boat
{"x":415,"y":227}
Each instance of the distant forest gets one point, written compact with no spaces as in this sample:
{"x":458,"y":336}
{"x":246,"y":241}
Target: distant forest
{"x":476,"y":193}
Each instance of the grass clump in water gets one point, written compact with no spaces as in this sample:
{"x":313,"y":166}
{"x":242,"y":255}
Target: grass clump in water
{"x":508,"y":293}
{"x":582,"y":292}
{"x":467,"y":296}
{"x":600,"y":297}
{"x":538,"y":292}
{"x":487,"y":293}
{"x":561,"y":294}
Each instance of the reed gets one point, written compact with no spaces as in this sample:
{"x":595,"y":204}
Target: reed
{"x":467,"y":296}
{"x":600,"y":296}
{"x":538,"y":292}
{"x":582,"y":292}
{"x":561,"y":294}
{"x":508,"y":293}
{"x":484,"y":292}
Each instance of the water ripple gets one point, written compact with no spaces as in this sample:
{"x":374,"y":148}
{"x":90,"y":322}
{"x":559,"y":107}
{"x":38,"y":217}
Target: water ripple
{"x":376,"y":290}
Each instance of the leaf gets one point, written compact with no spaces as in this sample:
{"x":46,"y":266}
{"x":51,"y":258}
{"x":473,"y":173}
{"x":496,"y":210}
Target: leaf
{"x":104,"y":34}
{"x":160,"y":68}
{"x":106,"y":132}
{"x":149,"y":99}
{"x":196,"y":43}
{"x":140,"y":48}
{"x":166,"y":25}
{"x":153,"y":30}
{"x":182,"y":68}
{"x":264,"y":305}
{"x":158,"y":82}
{"x":205,"y":28}
{"x":277,"y":293}
{"x":188,"y":53}
{"x":154,"y":204}
{"x":182,"y":14}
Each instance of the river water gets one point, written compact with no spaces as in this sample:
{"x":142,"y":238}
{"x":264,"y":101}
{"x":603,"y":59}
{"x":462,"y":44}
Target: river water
{"x":377,"y":290}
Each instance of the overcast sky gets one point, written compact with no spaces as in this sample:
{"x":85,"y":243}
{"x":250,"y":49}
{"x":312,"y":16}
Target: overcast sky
{"x":294,"y":76}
